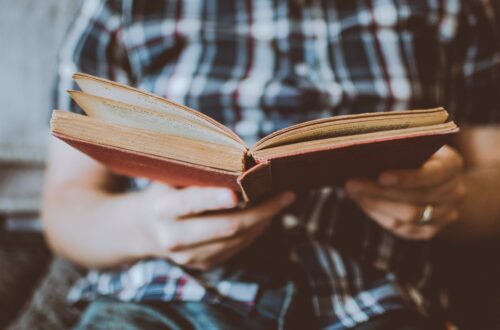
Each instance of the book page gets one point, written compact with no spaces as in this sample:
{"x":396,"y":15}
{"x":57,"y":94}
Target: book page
{"x":336,"y":142}
{"x":351,"y":125}
{"x":135,"y":116}
{"x":98,"y":132}
{"x":133,"y":96}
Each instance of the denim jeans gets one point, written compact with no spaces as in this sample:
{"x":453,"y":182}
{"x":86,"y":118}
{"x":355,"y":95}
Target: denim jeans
{"x":109,"y":314}
{"x":285,"y":307}
{"x":277,"y":308}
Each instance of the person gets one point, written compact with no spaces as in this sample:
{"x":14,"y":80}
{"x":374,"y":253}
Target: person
{"x":358,"y":256}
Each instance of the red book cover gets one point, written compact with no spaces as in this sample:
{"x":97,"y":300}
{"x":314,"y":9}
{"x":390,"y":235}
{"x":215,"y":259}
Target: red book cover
{"x":327,"y":166}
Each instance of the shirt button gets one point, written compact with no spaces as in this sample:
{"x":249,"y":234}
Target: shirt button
{"x":301,"y":69}
{"x":290,"y":221}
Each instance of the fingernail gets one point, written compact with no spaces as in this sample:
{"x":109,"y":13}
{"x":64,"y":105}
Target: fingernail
{"x":387,"y":179}
{"x":226,"y":198}
{"x":354,"y":187}
{"x":288,"y":198}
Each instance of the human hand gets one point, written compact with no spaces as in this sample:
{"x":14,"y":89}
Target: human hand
{"x":398,"y":199}
{"x":182,"y":234}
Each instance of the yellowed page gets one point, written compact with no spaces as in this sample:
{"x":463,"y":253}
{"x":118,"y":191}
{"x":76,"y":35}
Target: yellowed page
{"x":133,"y":96}
{"x":351,"y":125}
{"x":139,"y":117}
{"x":98,"y":132}
{"x":287,"y":149}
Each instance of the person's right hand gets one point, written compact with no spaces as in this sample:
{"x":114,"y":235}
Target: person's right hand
{"x":181,"y":233}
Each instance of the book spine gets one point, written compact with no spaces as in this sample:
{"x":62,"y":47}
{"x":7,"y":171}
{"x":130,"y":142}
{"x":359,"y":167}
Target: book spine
{"x":248,"y":161}
{"x":256,"y":183}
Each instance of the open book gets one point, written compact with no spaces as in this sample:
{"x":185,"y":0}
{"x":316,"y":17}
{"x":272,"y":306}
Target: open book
{"x":138,"y":134}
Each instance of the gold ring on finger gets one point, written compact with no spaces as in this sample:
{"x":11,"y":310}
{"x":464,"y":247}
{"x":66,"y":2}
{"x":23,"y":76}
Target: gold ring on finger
{"x":427,"y":215}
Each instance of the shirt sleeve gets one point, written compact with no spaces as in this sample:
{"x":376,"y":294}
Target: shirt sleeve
{"x":475,"y":86}
{"x":91,"y":46}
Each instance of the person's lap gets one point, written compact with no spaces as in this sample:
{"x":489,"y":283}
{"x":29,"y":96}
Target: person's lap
{"x":274,"y":309}
{"x":107,"y":314}
{"x":271,"y":312}
{"x":48,"y":308}
{"x":23,"y":260}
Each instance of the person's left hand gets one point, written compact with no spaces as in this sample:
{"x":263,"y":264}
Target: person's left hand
{"x":398,"y":198}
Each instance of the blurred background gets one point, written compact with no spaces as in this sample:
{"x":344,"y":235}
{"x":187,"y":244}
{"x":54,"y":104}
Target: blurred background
{"x":30,"y":34}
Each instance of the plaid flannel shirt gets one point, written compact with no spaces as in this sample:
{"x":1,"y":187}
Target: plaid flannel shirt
{"x":257,"y":66}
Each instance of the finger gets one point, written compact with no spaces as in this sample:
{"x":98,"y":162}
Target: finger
{"x":157,"y":188}
{"x":413,"y":232}
{"x":427,"y":231}
{"x":242,"y":242}
{"x":198,"y":256}
{"x":386,"y":221}
{"x":450,"y":192}
{"x":197,"y":230}
{"x":394,"y":226}
{"x":409,"y":230}
{"x":271,"y":207}
{"x":194,"y":200}
{"x":441,"y":167}
{"x":208,"y":255}
{"x":404,"y":212}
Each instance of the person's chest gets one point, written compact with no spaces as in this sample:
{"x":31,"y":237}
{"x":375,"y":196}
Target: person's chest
{"x":258,"y":66}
